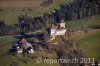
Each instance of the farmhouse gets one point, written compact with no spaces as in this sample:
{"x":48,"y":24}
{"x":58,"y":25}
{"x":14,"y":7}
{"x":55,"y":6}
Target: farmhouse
{"x":23,"y":46}
{"x":58,"y":30}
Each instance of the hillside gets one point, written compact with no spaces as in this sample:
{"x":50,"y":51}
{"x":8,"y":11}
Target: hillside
{"x":30,"y":20}
{"x":52,"y":13}
{"x":78,"y":24}
{"x":89,"y":42}
{"x":8,"y":59}
{"x":10,"y":10}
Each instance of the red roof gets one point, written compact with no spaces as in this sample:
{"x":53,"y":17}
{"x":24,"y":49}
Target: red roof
{"x":54,"y":27}
{"x":60,"y":28}
{"x":57,"y":27}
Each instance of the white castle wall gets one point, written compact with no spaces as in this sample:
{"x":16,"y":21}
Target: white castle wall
{"x":58,"y":32}
{"x":62,"y":24}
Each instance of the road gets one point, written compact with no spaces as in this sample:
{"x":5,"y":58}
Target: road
{"x":20,"y":35}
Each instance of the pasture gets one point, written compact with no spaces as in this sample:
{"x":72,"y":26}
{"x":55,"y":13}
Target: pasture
{"x":90,"y":43}
{"x":10,"y":10}
{"x":93,"y":20}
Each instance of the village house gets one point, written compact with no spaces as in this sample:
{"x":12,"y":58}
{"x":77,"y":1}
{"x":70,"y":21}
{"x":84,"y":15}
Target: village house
{"x":24,"y":47}
{"x":58,"y":30}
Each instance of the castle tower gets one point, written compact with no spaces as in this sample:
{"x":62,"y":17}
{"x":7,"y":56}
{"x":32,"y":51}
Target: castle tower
{"x":62,"y":24}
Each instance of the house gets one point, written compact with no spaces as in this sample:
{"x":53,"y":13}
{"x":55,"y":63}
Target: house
{"x":19,"y":50}
{"x":58,"y":30}
{"x":23,"y":46}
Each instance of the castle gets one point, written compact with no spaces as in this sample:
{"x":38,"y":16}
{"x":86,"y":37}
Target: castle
{"x":58,"y":30}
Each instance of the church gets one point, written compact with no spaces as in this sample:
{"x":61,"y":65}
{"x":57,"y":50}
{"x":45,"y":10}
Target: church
{"x":58,"y":30}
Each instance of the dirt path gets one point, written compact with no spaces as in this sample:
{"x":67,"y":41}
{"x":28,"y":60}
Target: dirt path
{"x":53,"y":37}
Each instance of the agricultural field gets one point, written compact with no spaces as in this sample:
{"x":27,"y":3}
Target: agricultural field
{"x":11,"y":9}
{"x":93,"y":20}
{"x":89,"y":42}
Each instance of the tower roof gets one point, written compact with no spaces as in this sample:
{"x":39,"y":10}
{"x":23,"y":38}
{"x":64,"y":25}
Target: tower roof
{"x":62,"y":21}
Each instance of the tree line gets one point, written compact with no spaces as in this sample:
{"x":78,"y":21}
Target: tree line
{"x":79,"y":9}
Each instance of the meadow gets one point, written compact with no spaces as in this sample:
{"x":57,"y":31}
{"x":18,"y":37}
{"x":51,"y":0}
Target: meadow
{"x":93,"y":20}
{"x":10,"y":11}
{"x":90,"y":41}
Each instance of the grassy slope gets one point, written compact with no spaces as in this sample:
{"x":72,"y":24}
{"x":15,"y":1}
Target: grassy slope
{"x":10,"y":17}
{"x":89,"y":42}
{"x":94,"y":20}
{"x":5,"y":45}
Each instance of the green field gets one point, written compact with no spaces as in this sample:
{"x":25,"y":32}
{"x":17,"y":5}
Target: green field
{"x":10,"y":14}
{"x":90,"y":43}
{"x":93,"y":20}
